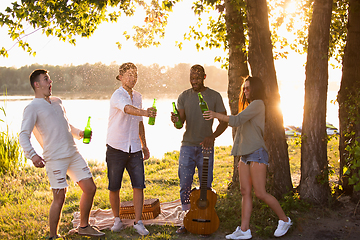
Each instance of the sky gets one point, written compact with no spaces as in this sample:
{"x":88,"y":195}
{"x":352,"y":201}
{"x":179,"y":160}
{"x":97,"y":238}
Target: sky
{"x":101,"y":46}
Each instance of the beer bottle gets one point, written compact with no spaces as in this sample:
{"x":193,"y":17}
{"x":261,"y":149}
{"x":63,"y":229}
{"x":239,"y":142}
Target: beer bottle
{"x":203,"y":105}
{"x":152,"y":119}
{"x":87,"y":132}
{"x":179,"y":123}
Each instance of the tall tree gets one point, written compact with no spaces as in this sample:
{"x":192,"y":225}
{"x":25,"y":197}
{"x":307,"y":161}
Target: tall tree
{"x":349,"y":110}
{"x":314,"y":164}
{"x":262,"y":65}
{"x":238,"y":68}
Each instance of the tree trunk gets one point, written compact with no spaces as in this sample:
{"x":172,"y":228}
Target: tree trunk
{"x":348,"y":99}
{"x":262,"y":65}
{"x":314,"y":182}
{"x":237,"y":62}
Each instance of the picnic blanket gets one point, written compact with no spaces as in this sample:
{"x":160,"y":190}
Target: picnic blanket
{"x":171,"y":214}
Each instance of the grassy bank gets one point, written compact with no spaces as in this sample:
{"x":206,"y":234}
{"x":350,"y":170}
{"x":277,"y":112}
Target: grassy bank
{"x":25,"y":198}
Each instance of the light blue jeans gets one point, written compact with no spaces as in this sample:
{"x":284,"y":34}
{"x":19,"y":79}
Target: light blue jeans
{"x":191,"y":157}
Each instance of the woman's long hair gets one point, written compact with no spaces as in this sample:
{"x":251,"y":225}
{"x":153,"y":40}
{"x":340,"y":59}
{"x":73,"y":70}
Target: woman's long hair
{"x":257,"y":91}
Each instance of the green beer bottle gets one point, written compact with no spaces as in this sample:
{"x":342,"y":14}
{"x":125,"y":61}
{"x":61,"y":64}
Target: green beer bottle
{"x":178,"y":124}
{"x":87,"y":132}
{"x":203,"y":105}
{"x":152,"y":119}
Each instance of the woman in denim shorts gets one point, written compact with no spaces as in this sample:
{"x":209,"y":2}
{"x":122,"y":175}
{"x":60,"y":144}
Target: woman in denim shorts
{"x":259,"y":156}
{"x":249,"y":144}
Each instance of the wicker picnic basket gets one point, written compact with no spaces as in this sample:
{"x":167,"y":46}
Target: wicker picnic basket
{"x":150,"y":211}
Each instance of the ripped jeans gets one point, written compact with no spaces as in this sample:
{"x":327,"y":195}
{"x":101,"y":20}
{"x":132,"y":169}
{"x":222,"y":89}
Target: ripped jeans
{"x":75,"y":166}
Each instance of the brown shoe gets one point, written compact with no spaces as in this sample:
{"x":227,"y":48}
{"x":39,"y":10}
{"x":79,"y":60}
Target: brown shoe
{"x":90,"y":231}
{"x":181,"y":230}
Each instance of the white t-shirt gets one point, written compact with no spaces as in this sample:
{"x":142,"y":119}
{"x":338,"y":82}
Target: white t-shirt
{"x":123,"y":128}
{"x":51,"y":128}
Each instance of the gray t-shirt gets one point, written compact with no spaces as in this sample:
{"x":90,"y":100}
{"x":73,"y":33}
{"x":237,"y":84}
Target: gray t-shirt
{"x":196,"y":127}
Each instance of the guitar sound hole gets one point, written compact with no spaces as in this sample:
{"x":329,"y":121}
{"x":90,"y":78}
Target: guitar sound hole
{"x":202,"y":204}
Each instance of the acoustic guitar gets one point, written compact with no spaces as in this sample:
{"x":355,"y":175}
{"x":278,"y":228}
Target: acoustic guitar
{"x":202,"y":217}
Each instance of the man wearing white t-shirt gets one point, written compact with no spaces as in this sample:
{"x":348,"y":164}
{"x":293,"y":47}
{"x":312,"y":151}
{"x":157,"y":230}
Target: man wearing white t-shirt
{"x":126,"y":145}
{"x":45,"y":117}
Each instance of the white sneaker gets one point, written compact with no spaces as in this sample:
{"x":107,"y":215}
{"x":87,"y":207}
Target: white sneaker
{"x":282,"y":228}
{"x":140,"y":228}
{"x":239,"y":234}
{"x":118,"y":225}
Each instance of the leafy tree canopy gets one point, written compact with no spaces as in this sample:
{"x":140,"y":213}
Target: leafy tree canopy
{"x":66,"y":19}
{"x":299,"y":21}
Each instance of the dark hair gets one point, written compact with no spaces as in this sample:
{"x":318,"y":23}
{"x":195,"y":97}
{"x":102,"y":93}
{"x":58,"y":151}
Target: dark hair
{"x":257,"y":92}
{"x":198,"y":69}
{"x":34,"y":76}
{"x":124,"y":67}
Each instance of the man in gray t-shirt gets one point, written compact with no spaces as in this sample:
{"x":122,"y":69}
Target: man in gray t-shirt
{"x":198,"y":133}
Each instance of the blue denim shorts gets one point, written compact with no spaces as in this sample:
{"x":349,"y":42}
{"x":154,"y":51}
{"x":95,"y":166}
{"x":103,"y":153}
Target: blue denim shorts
{"x":259,"y":156}
{"x":117,"y":161}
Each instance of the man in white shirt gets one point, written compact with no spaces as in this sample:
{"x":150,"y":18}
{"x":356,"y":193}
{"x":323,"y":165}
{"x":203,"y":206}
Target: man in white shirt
{"x":45,"y":117}
{"x":126,"y":145}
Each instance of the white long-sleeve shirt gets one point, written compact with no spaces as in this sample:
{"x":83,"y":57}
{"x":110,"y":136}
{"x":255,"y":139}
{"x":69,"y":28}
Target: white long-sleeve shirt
{"x":51,"y":128}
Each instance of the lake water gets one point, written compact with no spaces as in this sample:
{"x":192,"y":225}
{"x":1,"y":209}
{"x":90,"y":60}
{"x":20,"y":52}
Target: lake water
{"x":161,"y":138}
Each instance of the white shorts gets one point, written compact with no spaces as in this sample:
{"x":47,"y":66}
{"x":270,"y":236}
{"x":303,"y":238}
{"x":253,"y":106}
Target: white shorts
{"x":75,"y":166}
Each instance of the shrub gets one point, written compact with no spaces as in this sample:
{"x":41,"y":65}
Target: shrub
{"x":11,"y":156}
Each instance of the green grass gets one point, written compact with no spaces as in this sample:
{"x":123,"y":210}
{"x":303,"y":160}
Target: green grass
{"x":25,"y":198}
{"x":294,"y":149}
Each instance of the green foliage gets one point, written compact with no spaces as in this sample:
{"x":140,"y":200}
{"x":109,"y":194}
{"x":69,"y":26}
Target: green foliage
{"x":323,"y":177}
{"x":353,"y":164}
{"x":155,"y":21}
{"x":67,"y":19}
{"x":278,"y":16}
{"x":297,"y":23}
{"x":338,"y":28}
{"x":215,"y":34}
{"x":11,"y":158}
{"x":62,"y":19}
{"x":303,"y":15}
{"x":352,"y":148}
{"x":216,"y":27}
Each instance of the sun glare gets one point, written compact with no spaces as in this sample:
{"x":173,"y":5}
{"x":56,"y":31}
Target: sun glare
{"x":292,"y":103}
{"x":291,"y":7}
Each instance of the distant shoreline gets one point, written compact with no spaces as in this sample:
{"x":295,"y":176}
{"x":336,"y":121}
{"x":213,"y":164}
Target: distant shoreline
{"x":82,"y":96}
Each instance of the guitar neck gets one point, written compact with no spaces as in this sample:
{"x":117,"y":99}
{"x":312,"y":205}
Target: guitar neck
{"x":204,"y":178}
